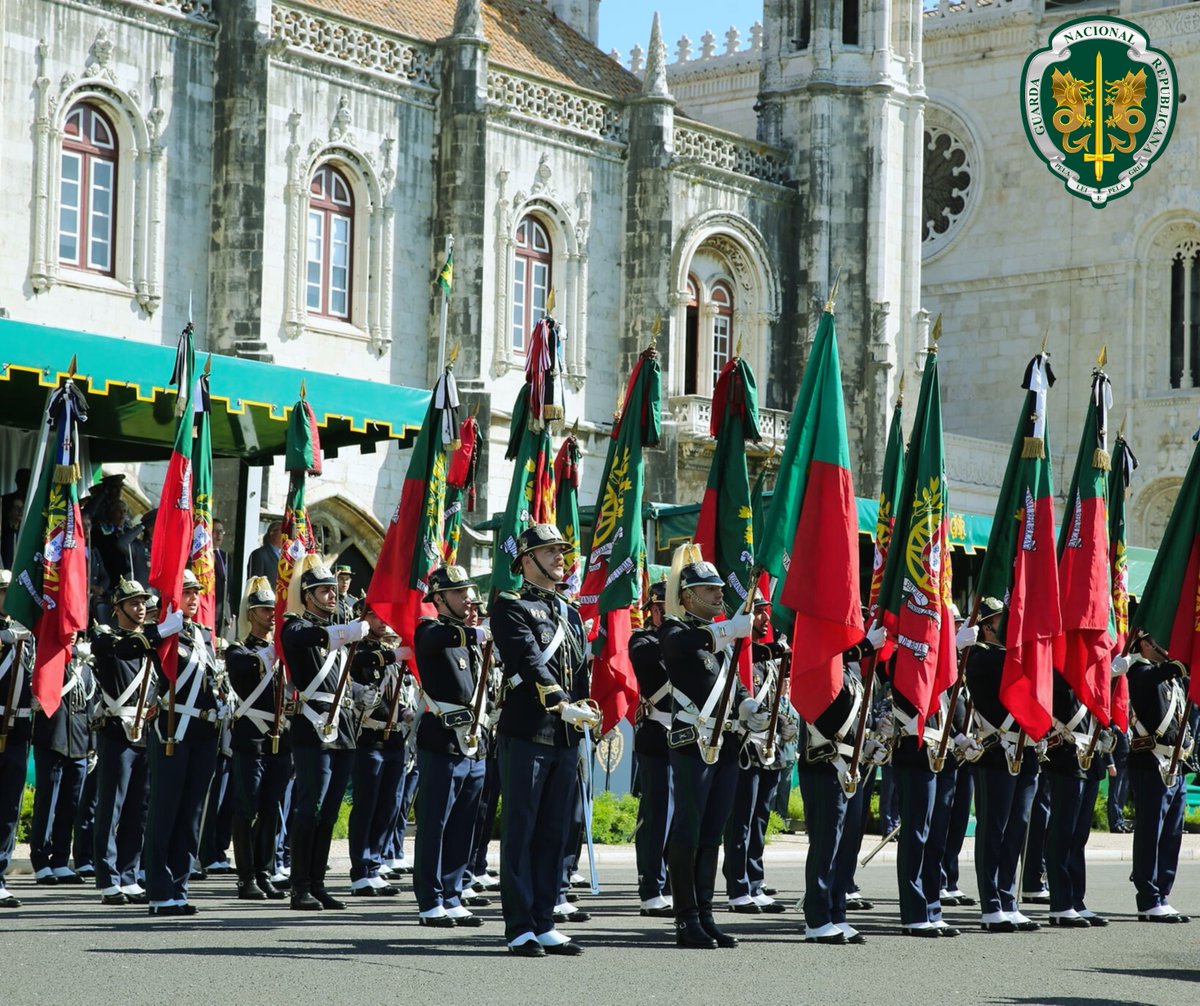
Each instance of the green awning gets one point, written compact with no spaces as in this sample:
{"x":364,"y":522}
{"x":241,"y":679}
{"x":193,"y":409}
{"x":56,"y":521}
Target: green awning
{"x":132,"y":413}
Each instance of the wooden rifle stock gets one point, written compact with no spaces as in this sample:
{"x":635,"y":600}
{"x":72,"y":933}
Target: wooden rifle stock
{"x":135,"y":728}
{"x":480,"y":696}
{"x":1177,"y":753}
{"x":10,"y":712}
{"x":860,"y":728}
{"x":939,"y":760}
{"x":330,"y":727}
{"x":394,"y":705}
{"x":785,"y":671}
{"x":722,"y":710}
{"x":277,"y":671}
{"x":170,"y":744}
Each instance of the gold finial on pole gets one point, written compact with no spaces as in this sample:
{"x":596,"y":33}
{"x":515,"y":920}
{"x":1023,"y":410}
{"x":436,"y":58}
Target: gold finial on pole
{"x":1102,"y":359}
{"x":900,"y":391}
{"x":74,"y":364}
{"x":208,"y":366}
{"x":833,"y":292}
{"x":1045,"y":338}
{"x":454,"y":353}
{"x":655,"y":330}
{"x":936,"y":332}
{"x":550,"y":302}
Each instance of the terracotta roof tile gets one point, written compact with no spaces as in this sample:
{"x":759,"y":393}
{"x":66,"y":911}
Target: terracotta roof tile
{"x":524,"y":35}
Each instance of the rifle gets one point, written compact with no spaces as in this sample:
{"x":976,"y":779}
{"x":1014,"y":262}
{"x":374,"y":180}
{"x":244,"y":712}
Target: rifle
{"x":938,"y":761}
{"x":394,"y":705}
{"x":860,"y":730}
{"x":1176,"y":755}
{"x":785,"y":670}
{"x":329,"y":727}
{"x":478,"y":700}
{"x":135,"y":728}
{"x":1085,"y":757}
{"x":170,"y":745}
{"x":277,"y":671}
{"x":710,"y":751}
{"x":10,"y":713}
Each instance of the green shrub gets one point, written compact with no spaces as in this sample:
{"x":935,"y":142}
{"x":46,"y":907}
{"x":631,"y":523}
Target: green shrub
{"x":25,"y":823}
{"x":774,"y":825}
{"x":614,"y":818}
{"x":341,"y":828}
{"x":795,"y":805}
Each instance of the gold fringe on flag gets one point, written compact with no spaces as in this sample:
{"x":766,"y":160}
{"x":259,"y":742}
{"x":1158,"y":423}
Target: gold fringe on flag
{"x":66,"y":474}
{"x":1034,"y":447}
{"x":1101,"y":459}
{"x":550,"y":412}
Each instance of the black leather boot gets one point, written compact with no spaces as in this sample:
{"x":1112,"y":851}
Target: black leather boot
{"x":262,"y":842}
{"x":320,"y":864}
{"x":706,"y":883}
{"x":681,"y":866}
{"x":302,"y":838}
{"x":243,"y":858}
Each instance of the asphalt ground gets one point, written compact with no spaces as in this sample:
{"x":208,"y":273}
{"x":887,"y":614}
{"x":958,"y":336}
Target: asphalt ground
{"x":64,"y":948}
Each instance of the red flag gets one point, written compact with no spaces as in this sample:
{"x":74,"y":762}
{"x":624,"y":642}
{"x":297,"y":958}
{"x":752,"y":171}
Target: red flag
{"x":1123,"y":465}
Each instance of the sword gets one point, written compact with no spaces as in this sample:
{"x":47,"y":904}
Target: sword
{"x":879,"y":848}
{"x":585,"y":793}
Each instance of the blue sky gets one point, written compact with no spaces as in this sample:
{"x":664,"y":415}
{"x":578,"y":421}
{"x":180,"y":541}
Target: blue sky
{"x":624,"y":23}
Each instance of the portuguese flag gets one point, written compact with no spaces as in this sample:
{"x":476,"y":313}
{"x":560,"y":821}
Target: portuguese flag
{"x":302,"y":458}
{"x":171,"y":548}
{"x":1120,"y":475}
{"x":460,"y":488}
{"x":1084,"y":651}
{"x":49,"y":591}
{"x":613,"y":579}
{"x":1021,"y":567}
{"x":1168,"y":607}
{"x":889,"y":494}
{"x":914,"y":594}
{"x":810,"y":542}
{"x":566,"y":510}
{"x":201,"y":560}
{"x":530,"y":494}
{"x":412,"y":545}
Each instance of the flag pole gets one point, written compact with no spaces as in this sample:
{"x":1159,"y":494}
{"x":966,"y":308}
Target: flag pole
{"x":445,"y":309}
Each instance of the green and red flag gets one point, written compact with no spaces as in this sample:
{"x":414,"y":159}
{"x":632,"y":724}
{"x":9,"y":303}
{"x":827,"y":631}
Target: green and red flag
{"x":49,"y":590}
{"x":201,"y":559}
{"x":302,"y":457}
{"x":1169,"y":608}
{"x":1124,"y":463}
{"x":613,"y":581}
{"x":889,"y":496}
{"x":1021,"y":566}
{"x":171,"y":548}
{"x":567,"y":465}
{"x":915,"y":590}
{"x":725,"y":527}
{"x":460,"y":488}
{"x":531,"y":492}
{"x":1083,"y":653}
{"x":810,"y":542}
{"x":412,"y":546}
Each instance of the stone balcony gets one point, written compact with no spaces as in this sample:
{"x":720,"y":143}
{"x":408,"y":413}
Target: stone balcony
{"x":692,"y":415}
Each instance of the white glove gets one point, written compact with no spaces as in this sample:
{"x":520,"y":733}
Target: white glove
{"x":967,"y":747}
{"x":92,"y":760}
{"x":401,"y":654}
{"x":493,"y":717}
{"x":1107,"y":742}
{"x":482,"y":635}
{"x":579,"y":714}
{"x":874,"y":752}
{"x":408,"y":716}
{"x":1120,"y":666}
{"x":738,"y":627}
{"x":753,"y":717}
{"x":11,"y":635}
{"x":876,"y":635}
{"x":966,"y":636}
{"x":369,"y":698}
{"x":344,"y":635}
{"x":222,"y":711}
{"x":788,"y":730}
{"x":171,"y":624}
{"x":83,"y":649}
{"x":588,"y":626}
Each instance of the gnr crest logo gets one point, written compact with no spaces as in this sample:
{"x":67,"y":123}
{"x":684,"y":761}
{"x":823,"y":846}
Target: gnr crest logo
{"x":1099,"y":105}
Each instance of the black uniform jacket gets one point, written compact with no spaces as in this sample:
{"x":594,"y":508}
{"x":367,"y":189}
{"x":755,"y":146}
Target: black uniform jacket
{"x":450,"y":663}
{"x":305,"y":642}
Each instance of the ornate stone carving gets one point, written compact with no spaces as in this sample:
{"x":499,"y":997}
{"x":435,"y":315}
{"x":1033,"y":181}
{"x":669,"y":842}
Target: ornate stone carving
{"x":946,"y":188}
{"x":339,"y":129}
{"x":556,"y":107}
{"x":728,"y":152}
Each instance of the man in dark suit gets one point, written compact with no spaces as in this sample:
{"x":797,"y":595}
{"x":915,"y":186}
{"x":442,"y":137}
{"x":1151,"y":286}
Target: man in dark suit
{"x":225,"y":618}
{"x":264,"y":560}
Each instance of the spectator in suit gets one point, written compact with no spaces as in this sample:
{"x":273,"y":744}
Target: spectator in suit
{"x":221,"y":566}
{"x":264,"y":560}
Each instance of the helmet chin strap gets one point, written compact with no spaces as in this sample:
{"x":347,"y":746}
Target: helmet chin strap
{"x":702,"y":608}
{"x":544,"y":571}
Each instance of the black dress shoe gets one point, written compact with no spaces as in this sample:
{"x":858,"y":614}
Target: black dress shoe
{"x":1096,"y":921}
{"x":387,"y":891}
{"x":250,"y":892}
{"x":70,"y":878}
{"x":10,"y":902}
{"x":948,"y":932}
{"x":925,"y":933}
{"x":272,"y":892}
{"x":364,"y":892}
{"x":200,"y":874}
{"x":114,"y":899}
{"x":749,"y":909}
{"x":468,"y":921}
{"x":773,"y":908}
{"x":964,"y":899}
{"x":328,"y":901}
{"x":1167,"y":919}
{"x":563,"y":950}
{"x":1028,"y":926}
{"x":1076,"y":922}
{"x":770,"y":892}
{"x":856,"y":939}
{"x":572,"y":917}
{"x":172,"y":910}
{"x":47,"y":881}
{"x":724,"y":940}
{"x":833,"y":939}
{"x":658,"y":913}
{"x":946,"y":902}
{"x":530,"y":948}
{"x":477,"y":901}
{"x":439,"y":922}
{"x":572,"y":897}
{"x":998,"y":927}
{"x":859,"y":905}
{"x":690,"y":934}
{"x":305,"y":902}
{"x":138,"y":898}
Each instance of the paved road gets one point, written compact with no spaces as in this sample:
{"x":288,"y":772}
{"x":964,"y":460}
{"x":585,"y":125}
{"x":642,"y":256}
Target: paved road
{"x":64,"y":948}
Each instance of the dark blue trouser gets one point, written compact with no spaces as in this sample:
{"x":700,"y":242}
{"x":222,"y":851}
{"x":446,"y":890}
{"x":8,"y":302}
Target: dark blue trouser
{"x":1034,"y":867}
{"x":917,"y":786}
{"x":824,"y":818}
{"x":178,"y":789}
{"x":259,"y":782}
{"x":394,"y":847}
{"x":283,"y":848}
{"x":218,"y":818}
{"x":945,"y":786}
{"x":746,"y":830}
{"x":850,"y":845}
{"x":889,"y":803}
{"x":447,"y":803}
{"x":1157,"y":834}
{"x":1002,"y":807}
{"x":538,"y":785}
{"x":1066,"y":804}
{"x":378,"y":779}
{"x":1083,"y":831}
{"x":655,"y":809}
{"x":321,"y":778}
{"x":960,"y":817}
{"x":13,"y":764}
{"x":485,"y":818}
{"x":121,"y":797}
{"x":83,"y":851}
{"x":1118,"y":785}
{"x":57,"y":788}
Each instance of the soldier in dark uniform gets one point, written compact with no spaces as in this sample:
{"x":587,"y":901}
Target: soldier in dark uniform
{"x":123,"y":663}
{"x":16,"y":677}
{"x":824,"y":750}
{"x":1003,"y":798}
{"x":698,"y":658}
{"x":346,"y":602}
{"x":181,"y":751}
{"x":657,"y":803}
{"x":61,"y":745}
{"x":1157,"y":702}
{"x":484,"y":879}
{"x":451,"y":747}
{"x":322,"y":728}
{"x":541,"y":641}
{"x":377,"y":670}
{"x":746,"y":830}
{"x":262,"y":759}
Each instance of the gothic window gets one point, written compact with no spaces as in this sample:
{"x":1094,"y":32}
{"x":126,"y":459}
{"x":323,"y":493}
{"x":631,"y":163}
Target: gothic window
{"x":949,"y":187}
{"x":1185,"y":319}
{"x":708,"y":334}
{"x":802,"y":26}
{"x":722,"y":328}
{"x":692,"y":337}
{"x":850,"y":22}
{"x":329,"y":268}
{"x":87,"y":191}
{"x":531,"y":278}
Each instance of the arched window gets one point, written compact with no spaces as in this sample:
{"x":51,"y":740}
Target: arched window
{"x":330,"y":233}
{"x":531,"y":278}
{"x":722,"y":327}
{"x":692,"y":334}
{"x":88,"y":191}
